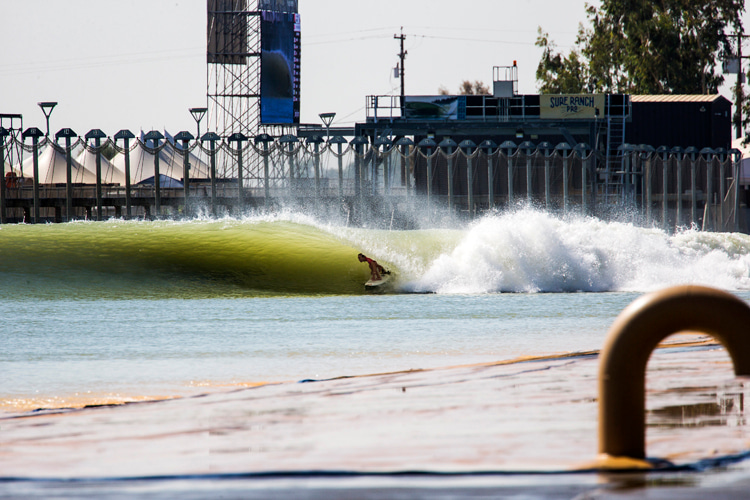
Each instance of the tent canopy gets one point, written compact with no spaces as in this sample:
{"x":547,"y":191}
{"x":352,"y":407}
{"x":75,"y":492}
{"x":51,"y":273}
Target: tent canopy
{"x":164,"y":182}
{"x":170,"y":164}
{"x":110,"y":173}
{"x":53,"y":168}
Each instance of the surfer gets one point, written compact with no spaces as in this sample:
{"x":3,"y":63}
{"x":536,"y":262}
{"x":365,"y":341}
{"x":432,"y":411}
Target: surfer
{"x":376,"y":270}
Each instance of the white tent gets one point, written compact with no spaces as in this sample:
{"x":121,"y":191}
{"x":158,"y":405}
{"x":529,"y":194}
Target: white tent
{"x":142,"y":165}
{"x":198,"y":168}
{"x":110,"y":173}
{"x":52,"y":168}
{"x":744,"y":162}
{"x":170,"y":164}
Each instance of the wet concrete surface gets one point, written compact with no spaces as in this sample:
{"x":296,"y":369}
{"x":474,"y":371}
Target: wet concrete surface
{"x":509,"y":430}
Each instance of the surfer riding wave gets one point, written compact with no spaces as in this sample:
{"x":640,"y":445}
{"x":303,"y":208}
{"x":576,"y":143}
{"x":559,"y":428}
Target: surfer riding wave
{"x":376,"y":270}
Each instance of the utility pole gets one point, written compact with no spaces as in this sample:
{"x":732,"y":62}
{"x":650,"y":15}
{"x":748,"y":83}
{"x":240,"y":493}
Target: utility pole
{"x":402,"y":56}
{"x":738,"y":88}
{"x":734,"y":65}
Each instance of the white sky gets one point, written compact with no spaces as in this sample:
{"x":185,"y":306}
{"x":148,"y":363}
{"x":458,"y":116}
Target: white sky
{"x":140,"y":64}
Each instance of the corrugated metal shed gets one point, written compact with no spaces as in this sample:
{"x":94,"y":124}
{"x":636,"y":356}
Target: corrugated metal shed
{"x":676,"y":98}
{"x":680,"y":120}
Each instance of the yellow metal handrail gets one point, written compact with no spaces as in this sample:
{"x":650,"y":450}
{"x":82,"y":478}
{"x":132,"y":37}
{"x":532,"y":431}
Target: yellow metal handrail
{"x":632,"y":338}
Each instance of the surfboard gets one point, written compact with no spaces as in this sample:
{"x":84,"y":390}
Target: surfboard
{"x":379,"y":284}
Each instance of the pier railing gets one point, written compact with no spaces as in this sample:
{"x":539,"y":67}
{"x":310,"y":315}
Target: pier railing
{"x":156,"y":176}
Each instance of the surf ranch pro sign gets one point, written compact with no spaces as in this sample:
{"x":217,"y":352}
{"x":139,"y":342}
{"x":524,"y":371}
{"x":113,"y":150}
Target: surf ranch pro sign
{"x":571,"y":106}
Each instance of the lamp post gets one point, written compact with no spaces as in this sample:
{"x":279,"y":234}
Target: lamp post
{"x":327,"y":119}
{"x":126,"y":135}
{"x":98,"y":135}
{"x":47,"y":108}
{"x":155,"y":136}
{"x":68,"y":134}
{"x":198,"y":114}
{"x":239,"y":138}
{"x":212,"y":138}
{"x":35,"y":134}
{"x":185,"y":137}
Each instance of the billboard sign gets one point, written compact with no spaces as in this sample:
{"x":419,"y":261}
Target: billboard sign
{"x":440,"y":107}
{"x":280,"y":67}
{"x":227,"y":32}
{"x":571,"y":106}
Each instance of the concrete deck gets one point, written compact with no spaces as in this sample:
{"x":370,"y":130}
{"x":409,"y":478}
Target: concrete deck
{"x":519,"y":430}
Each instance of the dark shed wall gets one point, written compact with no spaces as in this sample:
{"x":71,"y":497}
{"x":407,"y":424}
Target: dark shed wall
{"x":680,"y":121}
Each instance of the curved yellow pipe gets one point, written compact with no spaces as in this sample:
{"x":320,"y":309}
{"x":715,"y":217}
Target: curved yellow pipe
{"x":635,"y":334}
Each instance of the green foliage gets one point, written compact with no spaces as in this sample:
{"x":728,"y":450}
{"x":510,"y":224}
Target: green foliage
{"x":643,"y":47}
{"x":468,"y":88}
{"x":558,"y":74}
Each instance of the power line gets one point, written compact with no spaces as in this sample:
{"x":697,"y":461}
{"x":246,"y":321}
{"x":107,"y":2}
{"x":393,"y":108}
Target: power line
{"x":481,"y":40}
{"x":415,"y":35}
{"x":98,"y":61}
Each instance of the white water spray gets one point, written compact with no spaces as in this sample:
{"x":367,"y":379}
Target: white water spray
{"x":533,"y":251}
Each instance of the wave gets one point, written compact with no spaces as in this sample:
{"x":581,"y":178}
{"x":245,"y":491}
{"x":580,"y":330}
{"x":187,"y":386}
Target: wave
{"x":523,"y":251}
{"x":164,"y":258}
{"x":529,"y":251}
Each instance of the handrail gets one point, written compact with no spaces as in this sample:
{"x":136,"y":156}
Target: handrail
{"x":634,"y":335}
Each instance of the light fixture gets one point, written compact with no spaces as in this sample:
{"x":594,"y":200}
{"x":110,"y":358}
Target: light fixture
{"x":327,"y":119}
{"x":47,"y":108}
{"x":198,"y":114}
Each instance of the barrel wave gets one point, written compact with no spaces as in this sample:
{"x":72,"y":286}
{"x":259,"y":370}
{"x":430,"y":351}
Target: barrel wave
{"x":195,"y":258}
{"x":525,"y":251}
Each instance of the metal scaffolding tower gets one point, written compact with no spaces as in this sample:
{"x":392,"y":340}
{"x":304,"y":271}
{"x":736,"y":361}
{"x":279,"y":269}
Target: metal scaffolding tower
{"x":234,"y":63}
{"x":233,"y":66}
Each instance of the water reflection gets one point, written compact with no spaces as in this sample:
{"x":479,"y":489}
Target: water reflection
{"x":718,"y":407}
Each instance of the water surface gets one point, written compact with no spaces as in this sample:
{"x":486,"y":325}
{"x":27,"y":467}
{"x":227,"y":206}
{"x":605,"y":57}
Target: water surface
{"x":117,"y":311}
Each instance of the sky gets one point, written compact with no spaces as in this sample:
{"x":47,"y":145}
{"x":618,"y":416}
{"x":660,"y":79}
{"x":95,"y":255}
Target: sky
{"x":140,"y":64}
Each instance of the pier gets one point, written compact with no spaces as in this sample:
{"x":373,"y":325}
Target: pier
{"x":163,"y":177}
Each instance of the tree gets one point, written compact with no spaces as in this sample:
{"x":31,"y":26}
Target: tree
{"x":644,"y":47}
{"x":468,"y":88}
{"x":560,"y":74}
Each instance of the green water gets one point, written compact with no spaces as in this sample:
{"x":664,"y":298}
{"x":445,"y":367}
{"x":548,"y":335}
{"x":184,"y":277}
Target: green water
{"x":187,"y":260}
{"x":112,"y":311}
